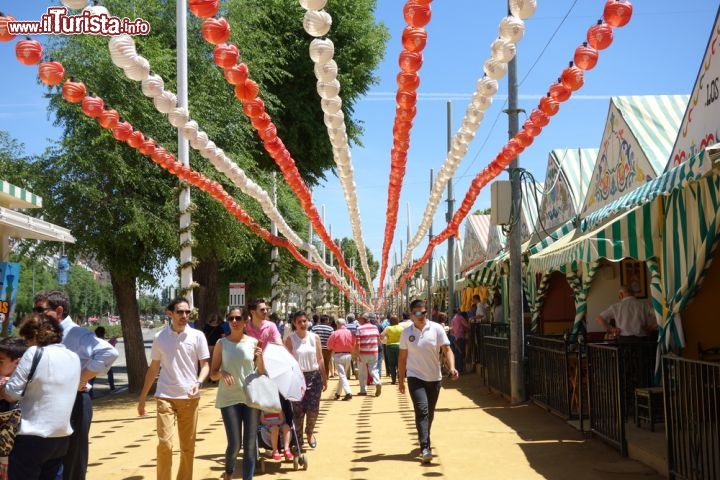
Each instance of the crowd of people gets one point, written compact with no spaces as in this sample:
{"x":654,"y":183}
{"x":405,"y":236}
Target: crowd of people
{"x":229,"y":349}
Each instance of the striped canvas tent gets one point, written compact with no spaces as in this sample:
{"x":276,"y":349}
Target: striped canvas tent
{"x":477,"y":229}
{"x":637,"y":141}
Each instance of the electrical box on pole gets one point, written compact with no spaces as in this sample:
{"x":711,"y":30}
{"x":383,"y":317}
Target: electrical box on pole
{"x":500,"y":202}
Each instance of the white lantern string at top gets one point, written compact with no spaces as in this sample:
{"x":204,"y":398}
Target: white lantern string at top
{"x":502,"y":50}
{"x":122,"y":48}
{"x":317,"y":23}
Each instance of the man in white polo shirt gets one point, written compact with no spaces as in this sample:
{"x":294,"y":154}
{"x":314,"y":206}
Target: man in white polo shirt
{"x":421,"y":346}
{"x":180,"y":355}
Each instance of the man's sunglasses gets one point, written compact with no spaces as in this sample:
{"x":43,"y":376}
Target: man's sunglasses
{"x":420,"y":314}
{"x":183,"y":312}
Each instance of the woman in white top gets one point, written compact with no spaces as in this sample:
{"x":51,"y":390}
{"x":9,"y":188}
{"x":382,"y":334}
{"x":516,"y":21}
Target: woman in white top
{"x":43,"y":436}
{"x":305,"y":347}
{"x":236,"y":356}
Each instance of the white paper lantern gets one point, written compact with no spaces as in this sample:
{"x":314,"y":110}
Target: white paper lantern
{"x":165,"y":102}
{"x":472,"y":124}
{"x":121,"y":45}
{"x":473,"y":115}
{"x":502,"y":50}
{"x":139,"y":70}
{"x":326,"y":71}
{"x":220,"y":159}
{"x":97,"y":10}
{"x":153,"y":85}
{"x":123,"y":60}
{"x":487,"y":86}
{"x":331,"y":105}
{"x":322,"y":50}
{"x":75,"y":4}
{"x":512,"y":29}
{"x":328,"y":89}
{"x":523,"y":8}
{"x":317,"y":23}
{"x":313,"y":4}
{"x":178,"y":117}
{"x":201,"y":140}
{"x":190,"y":130}
{"x":465,"y":136}
{"x":494,"y":69}
{"x":208,"y":151}
{"x":334,"y":120}
{"x":481,"y":102}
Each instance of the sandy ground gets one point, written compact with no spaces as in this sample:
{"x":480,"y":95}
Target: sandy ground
{"x":476,"y":434}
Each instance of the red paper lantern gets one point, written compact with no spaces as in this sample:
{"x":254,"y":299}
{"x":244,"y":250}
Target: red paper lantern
{"x":531,"y":129}
{"x":400,"y":134}
{"x":268,"y":133}
{"x":225,"y":55}
{"x":410,"y":61}
{"x":572,"y":78}
{"x":539,"y":118}
{"x":617,"y":13}
{"x":108,"y":118}
{"x":253,"y":108}
{"x":51,"y":73}
{"x":5,"y":35}
{"x":261,"y":122}
{"x":122,"y":131}
{"x":548,"y":105}
{"x":417,"y":14}
{"x":406,"y":99}
{"x":236,"y":74}
{"x":600,"y":36}
{"x":515,"y":146}
{"x":585,"y":57}
{"x":414,"y":39}
{"x":247,"y":90}
{"x":274,"y":146}
{"x":216,"y":30}
{"x":28,"y":51}
{"x":406,"y":114}
{"x":524,"y":138}
{"x":559,"y":92}
{"x":92,"y":106}
{"x":408,"y":81}
{"x":147,"y":147}
{"x":158,"y":155}
{"x":402,"y":146}
{"x":204,"y":8}
{"x":73,"y":91}
{"x":135,"y":139}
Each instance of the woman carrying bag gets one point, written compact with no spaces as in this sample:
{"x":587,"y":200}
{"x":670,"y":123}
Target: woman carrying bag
{"x":42,"y":440}
{"x":234,"y":358}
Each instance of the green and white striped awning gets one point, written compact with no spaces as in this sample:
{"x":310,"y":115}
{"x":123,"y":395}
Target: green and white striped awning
{"x":552,"y":238}
{"x":18,"y":225}
{"x":16,"y":197}
{"x":634,"y":234}
{"x":673,"y":179}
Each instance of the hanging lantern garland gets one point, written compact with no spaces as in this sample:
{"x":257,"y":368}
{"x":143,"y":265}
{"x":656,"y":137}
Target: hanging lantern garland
{"x":123,"y":47}
{"x":511,"y":30}
{"x":5,"y":35}
{"x":214,"y":30}
{"x":322,"y":51}
{"x":601,"y":35}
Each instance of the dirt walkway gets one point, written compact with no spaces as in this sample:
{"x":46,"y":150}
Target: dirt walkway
{"x":476,"y":434}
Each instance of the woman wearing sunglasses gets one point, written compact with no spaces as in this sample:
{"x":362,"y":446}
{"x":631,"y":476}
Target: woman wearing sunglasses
{"x":235,"y":357}
{"x":421,"y":346}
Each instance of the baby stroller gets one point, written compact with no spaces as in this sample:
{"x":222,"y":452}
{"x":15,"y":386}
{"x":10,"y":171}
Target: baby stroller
{"x":284,"y":371}
{"x":263,"y":440}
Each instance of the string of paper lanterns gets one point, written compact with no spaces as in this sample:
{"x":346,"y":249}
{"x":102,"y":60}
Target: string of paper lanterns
{"x":616,"y":13}
{"x":217,"y":31}
{"x":510,"y":31}
{"x":123,"y":52}
{"x":317,"y":23}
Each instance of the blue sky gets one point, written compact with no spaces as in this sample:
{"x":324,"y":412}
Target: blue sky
{"x":658,"y":52}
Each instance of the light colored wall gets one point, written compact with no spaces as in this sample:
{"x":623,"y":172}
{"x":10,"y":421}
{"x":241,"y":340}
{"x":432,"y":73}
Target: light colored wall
{"x":603,"y":293}
{"x":700,"y":317}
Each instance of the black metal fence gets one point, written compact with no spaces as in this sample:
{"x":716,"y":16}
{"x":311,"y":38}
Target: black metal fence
{"x":497,"y":363}
{"x":692,"y":416}
{"x":549,"y":376}
{"x":478,"y":332}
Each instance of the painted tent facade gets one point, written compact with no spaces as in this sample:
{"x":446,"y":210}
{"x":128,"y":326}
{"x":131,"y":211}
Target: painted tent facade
{"x":477,"y":228}
{"x":618,"y":218}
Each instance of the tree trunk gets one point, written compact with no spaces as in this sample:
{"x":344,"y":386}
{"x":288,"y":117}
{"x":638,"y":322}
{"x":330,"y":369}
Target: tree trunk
{"x":206,"y":295}
{"x":135,"y":359}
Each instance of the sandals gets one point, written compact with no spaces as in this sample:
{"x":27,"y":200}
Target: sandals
{"x":288,"y":455}
{"x":276,"y":455}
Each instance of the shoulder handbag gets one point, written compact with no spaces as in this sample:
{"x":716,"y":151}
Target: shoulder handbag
{"x":261,"y":393}
{"x":10,"y":420}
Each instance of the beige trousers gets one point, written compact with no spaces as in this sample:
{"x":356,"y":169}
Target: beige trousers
{"x":184,"y":412}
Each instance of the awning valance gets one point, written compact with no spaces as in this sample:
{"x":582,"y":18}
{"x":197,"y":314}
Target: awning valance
{"x":18,"y":225}
{"x":16,"y":197}
{"x":673,"y":179}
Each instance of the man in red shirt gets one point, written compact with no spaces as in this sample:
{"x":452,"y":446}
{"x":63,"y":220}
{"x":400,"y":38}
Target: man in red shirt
{"x":341,"y":343}
{"x":366,"y":353}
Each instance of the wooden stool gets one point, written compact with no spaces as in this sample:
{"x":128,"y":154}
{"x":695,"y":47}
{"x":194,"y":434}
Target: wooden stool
{"x":649,"y":406}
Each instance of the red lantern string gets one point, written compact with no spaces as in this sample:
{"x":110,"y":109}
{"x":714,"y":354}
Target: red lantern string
{"x":217,"y":31}
{"x":539,"y":118}
{"x":5,"y":35}
{"x":417,"y":14}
